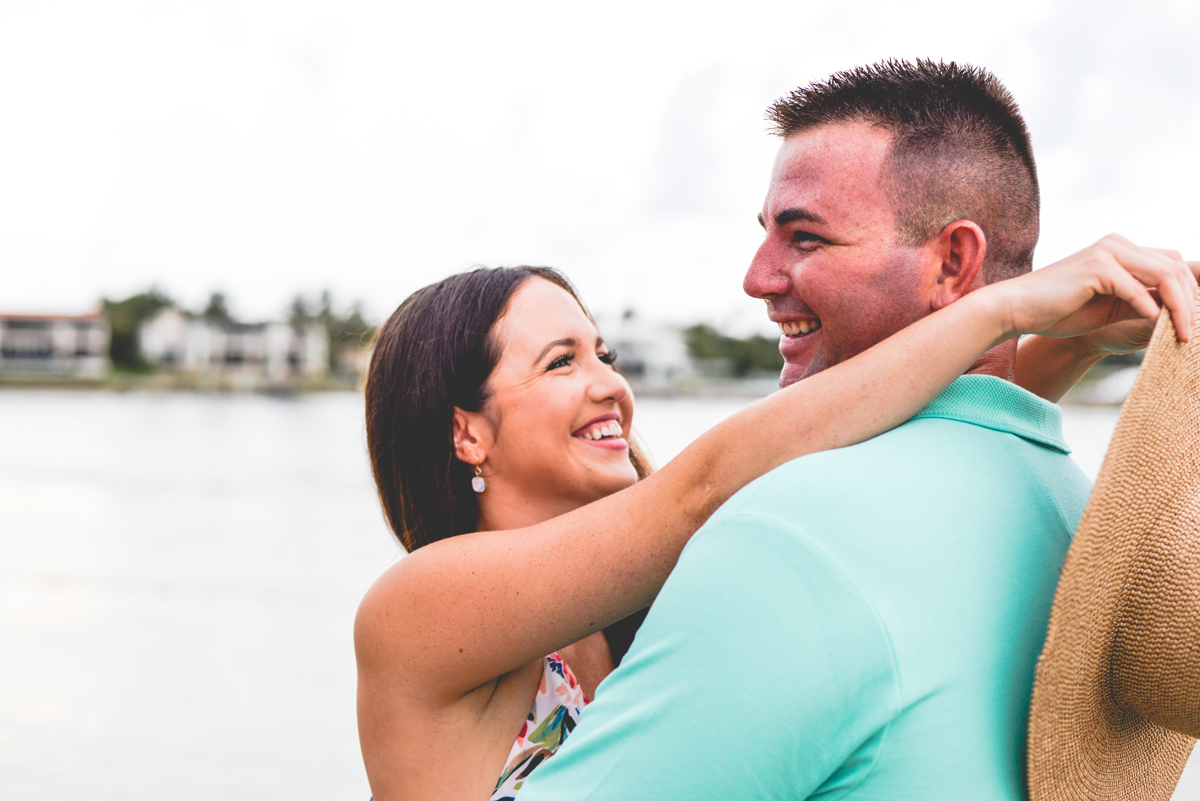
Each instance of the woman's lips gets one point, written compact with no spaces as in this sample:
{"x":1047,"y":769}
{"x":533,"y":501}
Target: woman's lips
{"x":603,"y":432}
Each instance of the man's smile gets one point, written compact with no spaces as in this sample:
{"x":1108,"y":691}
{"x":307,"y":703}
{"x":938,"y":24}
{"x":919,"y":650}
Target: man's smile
{"x":796,"y":328}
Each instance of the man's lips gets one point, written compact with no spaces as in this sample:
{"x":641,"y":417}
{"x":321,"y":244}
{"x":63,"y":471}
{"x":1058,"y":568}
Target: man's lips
{"x":799,"y":343}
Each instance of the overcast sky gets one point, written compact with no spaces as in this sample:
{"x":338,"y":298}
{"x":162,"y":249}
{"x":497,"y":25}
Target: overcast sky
{"x":270,"y":148}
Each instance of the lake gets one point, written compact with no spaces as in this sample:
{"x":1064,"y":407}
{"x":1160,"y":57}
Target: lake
{"x":178,"y":580}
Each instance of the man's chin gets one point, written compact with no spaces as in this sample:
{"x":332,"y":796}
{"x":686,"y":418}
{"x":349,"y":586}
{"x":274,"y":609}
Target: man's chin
{"x":802,"y":356}
{"x":792,"y":373}
{"x":798,"y":371}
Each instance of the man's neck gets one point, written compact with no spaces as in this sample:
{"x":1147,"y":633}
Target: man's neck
{"x":1000,"y":361}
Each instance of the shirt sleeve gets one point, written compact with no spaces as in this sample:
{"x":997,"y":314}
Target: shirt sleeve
{"x":761,"y":672}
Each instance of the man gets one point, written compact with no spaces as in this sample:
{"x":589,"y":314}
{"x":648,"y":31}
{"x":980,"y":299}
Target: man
{"x":863,"y":622}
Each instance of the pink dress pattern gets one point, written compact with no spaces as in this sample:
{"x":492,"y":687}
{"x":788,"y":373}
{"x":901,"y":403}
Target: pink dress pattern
{"x":555,"y":713}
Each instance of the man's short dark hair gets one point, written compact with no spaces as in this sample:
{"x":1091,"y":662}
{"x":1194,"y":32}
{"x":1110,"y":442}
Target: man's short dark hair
{"x":959,"y":150}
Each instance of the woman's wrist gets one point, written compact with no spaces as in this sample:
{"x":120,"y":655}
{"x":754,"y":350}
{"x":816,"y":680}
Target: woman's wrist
{"x":994,"y":306}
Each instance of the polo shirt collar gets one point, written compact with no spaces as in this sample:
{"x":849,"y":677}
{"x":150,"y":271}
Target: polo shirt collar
{"x":991,"y":402}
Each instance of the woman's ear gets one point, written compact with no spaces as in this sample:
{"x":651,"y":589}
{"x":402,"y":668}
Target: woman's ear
{"x":472,"y":436}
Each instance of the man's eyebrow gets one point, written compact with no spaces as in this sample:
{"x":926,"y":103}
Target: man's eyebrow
{"x":569,"y":342}
{"x":796,"y":215}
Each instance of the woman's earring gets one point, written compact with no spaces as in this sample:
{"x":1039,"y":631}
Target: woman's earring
{"x":477,"y":482}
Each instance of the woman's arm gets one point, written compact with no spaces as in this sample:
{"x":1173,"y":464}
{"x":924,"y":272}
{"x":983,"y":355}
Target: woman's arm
{"x":462,"y":611}
{"x":1049,"y":367}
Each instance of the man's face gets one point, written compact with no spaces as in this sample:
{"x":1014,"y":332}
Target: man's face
{"x":831,"y":270}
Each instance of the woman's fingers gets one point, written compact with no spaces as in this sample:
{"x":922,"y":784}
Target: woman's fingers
{"x":1187,"y":274}
{"x":1185,"y":316}
{"x":1129,"y":289}
{"x":1155,"y":268}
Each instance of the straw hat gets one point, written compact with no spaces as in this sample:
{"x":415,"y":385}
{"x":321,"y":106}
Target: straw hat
{"x":1116,"y":700}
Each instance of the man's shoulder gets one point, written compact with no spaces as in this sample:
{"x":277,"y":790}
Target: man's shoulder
{"x":828,"y":477}
{"x":900,"y":470}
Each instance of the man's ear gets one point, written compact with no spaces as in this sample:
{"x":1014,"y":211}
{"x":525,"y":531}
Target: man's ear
{"x":961,"y":246}
{"x":472,"y":436}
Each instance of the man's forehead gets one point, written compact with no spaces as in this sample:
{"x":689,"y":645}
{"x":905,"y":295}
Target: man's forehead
{"x":835,"y":147}
{"x":829,"y":163}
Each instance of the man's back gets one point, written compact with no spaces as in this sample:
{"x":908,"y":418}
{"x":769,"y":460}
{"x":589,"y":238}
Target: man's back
{"x":862,"y":623}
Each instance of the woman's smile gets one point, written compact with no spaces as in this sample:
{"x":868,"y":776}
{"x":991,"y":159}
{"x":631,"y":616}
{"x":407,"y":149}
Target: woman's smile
{"x":603,"y":432}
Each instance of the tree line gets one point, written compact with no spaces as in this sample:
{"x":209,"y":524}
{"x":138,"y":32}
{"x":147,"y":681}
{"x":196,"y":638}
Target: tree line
{"x":754,"y":354}
{"x":125,"y":317}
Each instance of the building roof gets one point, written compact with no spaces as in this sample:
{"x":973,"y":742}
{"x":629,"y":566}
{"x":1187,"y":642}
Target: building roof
{"x":92,"y":317}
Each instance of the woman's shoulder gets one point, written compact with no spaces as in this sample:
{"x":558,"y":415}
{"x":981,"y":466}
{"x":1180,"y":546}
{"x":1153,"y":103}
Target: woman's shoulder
{"x":409,"y":611}
{"x":378,"y":620}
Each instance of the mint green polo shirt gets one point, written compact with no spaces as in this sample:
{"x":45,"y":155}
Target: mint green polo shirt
{"x":862,"y":623}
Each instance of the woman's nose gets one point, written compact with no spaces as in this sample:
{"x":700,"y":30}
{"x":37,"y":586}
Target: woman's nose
{"x":608,"y":384}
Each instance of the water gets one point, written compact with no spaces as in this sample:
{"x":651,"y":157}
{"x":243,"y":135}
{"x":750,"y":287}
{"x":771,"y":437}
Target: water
{"x":178,"y":581}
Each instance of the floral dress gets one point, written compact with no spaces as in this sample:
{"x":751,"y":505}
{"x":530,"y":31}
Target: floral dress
{"x":555,"y":713}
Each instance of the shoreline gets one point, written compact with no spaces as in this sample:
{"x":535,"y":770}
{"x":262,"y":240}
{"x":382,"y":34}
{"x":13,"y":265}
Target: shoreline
{"x":1089,"y":395}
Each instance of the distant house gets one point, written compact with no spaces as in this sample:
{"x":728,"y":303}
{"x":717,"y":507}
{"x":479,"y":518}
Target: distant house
{"x":247,"y":354}
{"x":652,"y":355}
{"x":353,"y":358}
{"x":53,"y":346}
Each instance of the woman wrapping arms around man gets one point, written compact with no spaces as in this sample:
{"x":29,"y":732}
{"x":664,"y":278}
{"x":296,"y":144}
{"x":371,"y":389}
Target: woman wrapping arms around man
{"x":499,"y":433}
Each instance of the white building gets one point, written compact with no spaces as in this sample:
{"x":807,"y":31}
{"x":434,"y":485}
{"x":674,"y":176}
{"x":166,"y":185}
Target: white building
{"x":651,"y":355}
{"x":53,"y":346}
{"x":249,"y":355}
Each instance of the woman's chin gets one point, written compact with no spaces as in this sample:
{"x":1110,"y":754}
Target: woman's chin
{"x":601,"y":481}
{"x":616,"y":482}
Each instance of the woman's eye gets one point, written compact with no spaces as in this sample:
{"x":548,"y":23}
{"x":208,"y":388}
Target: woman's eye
{"x":561,"y":361}
{"x":609,"y":357}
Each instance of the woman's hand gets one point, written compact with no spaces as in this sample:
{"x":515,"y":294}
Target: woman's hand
{"x":1127,"y":336}
{"x":1085,"y":305}
{"x":1107,"y":296}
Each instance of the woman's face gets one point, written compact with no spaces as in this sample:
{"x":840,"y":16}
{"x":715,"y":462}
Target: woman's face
{"x":560,"y":412}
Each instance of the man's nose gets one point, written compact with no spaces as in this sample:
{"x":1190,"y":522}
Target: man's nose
{"x":767,"y":274}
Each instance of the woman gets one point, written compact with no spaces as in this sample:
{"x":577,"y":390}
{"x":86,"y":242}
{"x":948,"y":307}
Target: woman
{"x":499,"y":435}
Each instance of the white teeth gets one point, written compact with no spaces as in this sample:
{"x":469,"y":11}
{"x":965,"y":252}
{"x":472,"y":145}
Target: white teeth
{"x":612,"y":429}
{"x":798,"y":328}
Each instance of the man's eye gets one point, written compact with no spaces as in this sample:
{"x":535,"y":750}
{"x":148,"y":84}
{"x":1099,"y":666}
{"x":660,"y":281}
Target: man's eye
{"x":561,"y":361}
{"x":609,"y":357}
{"x":806,"y":238}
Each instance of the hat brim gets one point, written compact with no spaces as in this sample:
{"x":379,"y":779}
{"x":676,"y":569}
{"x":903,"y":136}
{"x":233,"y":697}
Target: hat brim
{"x":1082,"y":744}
